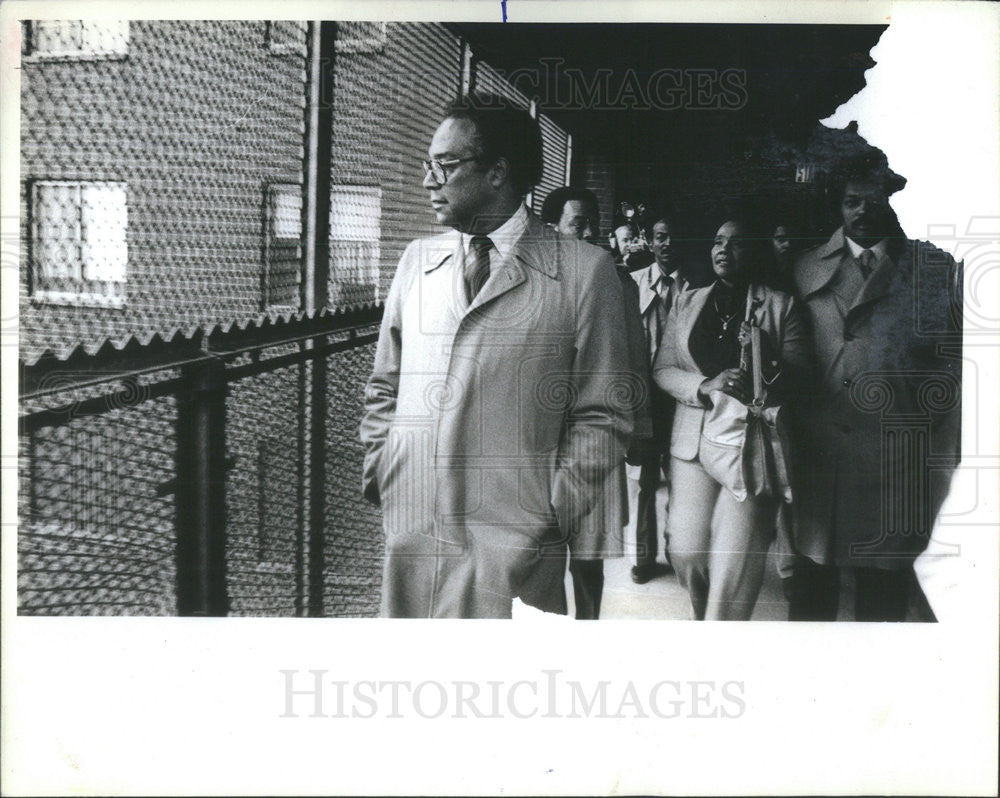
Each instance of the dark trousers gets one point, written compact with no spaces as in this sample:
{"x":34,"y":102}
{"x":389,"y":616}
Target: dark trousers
{"x":588,"y":587}
{"x":646,"y":531}
{"x":813,"y":593}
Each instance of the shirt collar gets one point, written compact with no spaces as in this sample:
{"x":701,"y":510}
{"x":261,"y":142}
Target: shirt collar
{"x":880,"y":249}
{"x":660,"y":282}
{"x":505,"y":236}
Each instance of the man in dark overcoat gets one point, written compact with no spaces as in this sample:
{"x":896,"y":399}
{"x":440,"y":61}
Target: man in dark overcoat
{"x":880,"y":432}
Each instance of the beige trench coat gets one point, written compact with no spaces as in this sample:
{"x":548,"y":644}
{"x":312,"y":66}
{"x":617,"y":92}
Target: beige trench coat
{"x":493,"y":433}
{"x":880,"y":433}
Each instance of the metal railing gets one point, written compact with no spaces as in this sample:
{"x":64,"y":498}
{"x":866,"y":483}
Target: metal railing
{"x":212,"y":474}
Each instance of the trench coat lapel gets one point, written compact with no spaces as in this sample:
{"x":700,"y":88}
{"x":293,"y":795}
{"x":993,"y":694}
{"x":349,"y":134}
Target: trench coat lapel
{"x":697,"y":303}
{"x":533,"y":250}
{"x":438,"y":251}
{"x":815,"y":273}
{"x":876,"y":287}
{"x":646,"y":292}
{"x":508,"y":275}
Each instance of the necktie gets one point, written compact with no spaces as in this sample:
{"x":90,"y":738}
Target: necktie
{"x":866,"y":262}
{"x":667,"y":293}
{"x":477,"y":267}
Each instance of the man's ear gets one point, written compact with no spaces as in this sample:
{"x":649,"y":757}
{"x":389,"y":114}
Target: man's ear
{"x":500,"y":172}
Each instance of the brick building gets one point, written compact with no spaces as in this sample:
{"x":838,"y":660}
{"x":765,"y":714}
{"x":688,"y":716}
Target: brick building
{"x":162,"y":179}
{"x":162,"y":190}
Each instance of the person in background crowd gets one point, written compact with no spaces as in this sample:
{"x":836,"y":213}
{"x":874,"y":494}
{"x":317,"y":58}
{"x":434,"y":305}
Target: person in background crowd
{"x":882,"y":308}
{"x":574,"y":212}
{"x":783,"y":245}
{"x":659,"y":285}
{"x":717,"y":542}
{"x":778,"y":275}
{"x":630,"y":250}
{"x":493,"y":424}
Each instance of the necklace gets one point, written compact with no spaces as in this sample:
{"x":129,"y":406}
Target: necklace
{"x":724,"y":319}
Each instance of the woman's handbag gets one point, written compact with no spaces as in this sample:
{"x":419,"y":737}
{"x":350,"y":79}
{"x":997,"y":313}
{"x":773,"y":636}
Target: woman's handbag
{"x":746,"y":448}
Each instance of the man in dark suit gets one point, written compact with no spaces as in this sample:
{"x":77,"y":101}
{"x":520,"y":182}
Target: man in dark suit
{"x":574,"y":212}
{"x":495,"y":416}
{"x":659,"y":285}
{"x":880,"y":433}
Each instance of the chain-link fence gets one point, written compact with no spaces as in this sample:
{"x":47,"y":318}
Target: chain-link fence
{"x":223,"y":482}
{"x":189,"y":411}
{"x":96,"y":534}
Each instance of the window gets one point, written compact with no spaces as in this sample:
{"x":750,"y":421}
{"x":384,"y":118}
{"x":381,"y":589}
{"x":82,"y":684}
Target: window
{"x":355,"y":232}
{"x":79,"y":247}
{"x":283,"y":37}
{"x":77,"y":39}
{"x":360,"y":37}
{"x":283,"y":247}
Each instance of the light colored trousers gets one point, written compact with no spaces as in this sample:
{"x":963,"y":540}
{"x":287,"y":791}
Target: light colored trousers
{"x":718,"y":545}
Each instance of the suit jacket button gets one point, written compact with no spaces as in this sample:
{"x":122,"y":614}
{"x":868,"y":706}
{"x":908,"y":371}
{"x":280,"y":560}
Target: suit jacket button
{"x":847,"y":383}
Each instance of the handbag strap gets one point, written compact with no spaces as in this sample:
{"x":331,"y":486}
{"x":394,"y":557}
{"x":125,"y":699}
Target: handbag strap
{"x":758,"y":375}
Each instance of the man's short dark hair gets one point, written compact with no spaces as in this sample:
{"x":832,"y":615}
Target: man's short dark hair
{"x":868,"y":166}
{"x":661,"y":216}
{"x":554,"y":203}
{"x":503,"y":131}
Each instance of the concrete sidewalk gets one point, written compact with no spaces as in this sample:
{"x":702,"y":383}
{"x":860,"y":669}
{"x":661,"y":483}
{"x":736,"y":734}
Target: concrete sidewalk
{"x":663,"y":598}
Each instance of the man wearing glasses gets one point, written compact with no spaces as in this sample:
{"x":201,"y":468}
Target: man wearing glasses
{"x":498,"y":405}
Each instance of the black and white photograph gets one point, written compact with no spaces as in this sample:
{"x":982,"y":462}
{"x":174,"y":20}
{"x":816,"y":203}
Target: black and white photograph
{"x":571,"y":324}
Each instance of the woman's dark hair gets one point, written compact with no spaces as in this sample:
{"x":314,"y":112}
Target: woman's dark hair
{"x":756,"y":240}
{"x":503,"y":131}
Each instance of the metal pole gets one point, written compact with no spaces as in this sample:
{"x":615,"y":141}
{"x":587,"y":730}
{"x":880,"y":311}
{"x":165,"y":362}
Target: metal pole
{"x":323,"y":38}
{"x":569,"y":157}
{"x":201,"y":492}
{"x":309,"y":169}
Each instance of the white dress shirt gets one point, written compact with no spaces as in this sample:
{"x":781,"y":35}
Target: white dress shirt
{"x":880,"y":250}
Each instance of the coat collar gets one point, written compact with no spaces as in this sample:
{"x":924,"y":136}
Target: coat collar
{"x":440,"y":249}
{"x":879,"y":283}
{"x":539,"y":248}
{"x":530,"y":249}
{"x":757,"y":296}
{"x":534,"y":248}
{"x":645,"y":279}
{"x":818,"y":268}
{"x":816,"y":271}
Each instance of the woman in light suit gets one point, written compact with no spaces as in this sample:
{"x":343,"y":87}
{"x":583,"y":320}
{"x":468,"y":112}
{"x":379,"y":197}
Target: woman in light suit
{"x":718,"y":543}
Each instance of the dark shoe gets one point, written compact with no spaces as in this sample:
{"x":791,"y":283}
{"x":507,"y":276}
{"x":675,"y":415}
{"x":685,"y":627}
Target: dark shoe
{"x":643,"y":573}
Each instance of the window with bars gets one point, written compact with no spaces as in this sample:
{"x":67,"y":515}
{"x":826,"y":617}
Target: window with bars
{"x":79,"y":242}
{"x":283,"y":247}
{"x":76,"y":39}
{"x":355,"y":235}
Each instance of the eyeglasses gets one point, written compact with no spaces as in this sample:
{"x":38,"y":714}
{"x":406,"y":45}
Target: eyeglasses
{"x":436,"y":169}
